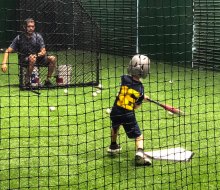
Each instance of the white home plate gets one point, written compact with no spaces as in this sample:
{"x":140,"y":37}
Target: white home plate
{"x":176,"y":154}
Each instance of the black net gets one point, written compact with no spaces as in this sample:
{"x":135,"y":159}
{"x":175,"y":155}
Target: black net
{"x":56,"y":138}
{"x":206,"y":53}
{"x":71,"y":34}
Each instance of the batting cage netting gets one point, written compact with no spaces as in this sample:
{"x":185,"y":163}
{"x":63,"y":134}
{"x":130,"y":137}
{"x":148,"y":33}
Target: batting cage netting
{"x":60,"y":116}
{"x":71,"y":34}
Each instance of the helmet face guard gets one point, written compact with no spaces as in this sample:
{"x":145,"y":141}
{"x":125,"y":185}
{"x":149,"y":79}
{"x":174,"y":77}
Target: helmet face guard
{"x":139,"y":66}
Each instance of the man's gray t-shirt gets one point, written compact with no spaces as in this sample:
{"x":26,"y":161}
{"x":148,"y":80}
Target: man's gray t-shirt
{"x":27,"y":45}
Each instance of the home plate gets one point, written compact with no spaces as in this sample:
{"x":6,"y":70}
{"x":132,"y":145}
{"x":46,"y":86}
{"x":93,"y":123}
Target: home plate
{"x":175,"y":154}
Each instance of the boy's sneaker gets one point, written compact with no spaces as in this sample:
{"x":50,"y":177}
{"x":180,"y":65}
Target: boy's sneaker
{"x":142,"y":159}
{"x":114,"y":148}
{"x":48,"y":83}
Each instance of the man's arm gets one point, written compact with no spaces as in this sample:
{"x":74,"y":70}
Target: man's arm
{"x":136,"y":106}
{"x":146,"y":98}
{"x":5,"y":59}
{"x":42,"y":52}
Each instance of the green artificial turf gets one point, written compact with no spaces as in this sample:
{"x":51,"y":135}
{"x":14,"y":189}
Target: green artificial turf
{"x":66,"y":148}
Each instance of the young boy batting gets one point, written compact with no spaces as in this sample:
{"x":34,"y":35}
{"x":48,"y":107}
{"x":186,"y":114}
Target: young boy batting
{"x":130,"y":97}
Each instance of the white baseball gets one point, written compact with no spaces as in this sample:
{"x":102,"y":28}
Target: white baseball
{"x":108,"y":110}
{"x":52,"y":108}
{"x":100,"y":86}
{"x":170,"y":81}
{"x":170,"y":113}
{"x":98,"y":91}
{"x":65,"y":91}
{"x":94,"y":94}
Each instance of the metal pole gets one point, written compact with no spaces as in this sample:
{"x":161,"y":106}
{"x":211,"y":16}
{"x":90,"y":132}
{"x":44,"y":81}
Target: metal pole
{"x":137,"y":28}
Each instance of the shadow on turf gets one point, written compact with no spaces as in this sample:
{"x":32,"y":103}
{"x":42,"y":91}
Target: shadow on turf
{"x":121,"y":159}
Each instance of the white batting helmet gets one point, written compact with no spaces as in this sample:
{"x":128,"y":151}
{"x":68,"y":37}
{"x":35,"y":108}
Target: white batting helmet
{"x":139,"y":66}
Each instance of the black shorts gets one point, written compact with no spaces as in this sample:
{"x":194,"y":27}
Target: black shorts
{"x":41,"y":61}
{"x":127,"y":119}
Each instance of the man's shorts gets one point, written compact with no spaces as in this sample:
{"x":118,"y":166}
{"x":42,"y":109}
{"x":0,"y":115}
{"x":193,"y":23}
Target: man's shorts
{"x":127,"y":119}
{"x":41,"y":61}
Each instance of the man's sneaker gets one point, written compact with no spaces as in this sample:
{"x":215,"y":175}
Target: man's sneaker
{"x":27,"y":80}
{"x":114,"y":148}
{"x":27,"y":85}
{"x":142,"y":159}
{"x":48,"y":83}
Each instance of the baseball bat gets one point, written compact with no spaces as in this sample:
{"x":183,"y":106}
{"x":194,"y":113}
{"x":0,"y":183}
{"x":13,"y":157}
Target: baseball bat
{"x":167,"y":107}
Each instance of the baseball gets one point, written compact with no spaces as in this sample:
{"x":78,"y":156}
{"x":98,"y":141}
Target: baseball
{"x":170,"y":113}
{"x":52,"y":108}
{"x":98,"y":91}
{"x":108,"y":110}
{"x":65,"y":91}
{"x":100,"y":86}
{"x":170,"y":81}
{"x":94,"y":94}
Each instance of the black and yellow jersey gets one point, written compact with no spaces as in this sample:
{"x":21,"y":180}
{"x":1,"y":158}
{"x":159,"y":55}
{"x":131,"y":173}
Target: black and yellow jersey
{"x":131,"y":93}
